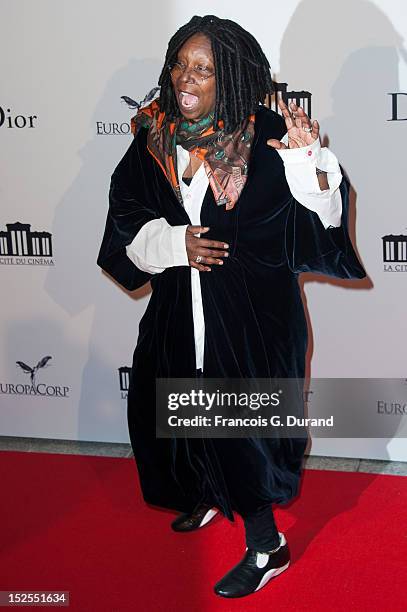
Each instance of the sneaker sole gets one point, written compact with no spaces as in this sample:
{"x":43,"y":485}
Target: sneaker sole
{"x":271,"y":574}
{"x":210,"y":514}
{"x":208,"y":517}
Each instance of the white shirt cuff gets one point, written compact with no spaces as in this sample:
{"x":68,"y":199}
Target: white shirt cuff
{"x":300,"y":169}
{"x":158,"y":246}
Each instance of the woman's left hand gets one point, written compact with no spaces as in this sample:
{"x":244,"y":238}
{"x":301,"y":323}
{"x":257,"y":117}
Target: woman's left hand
{"x":301,"y":132}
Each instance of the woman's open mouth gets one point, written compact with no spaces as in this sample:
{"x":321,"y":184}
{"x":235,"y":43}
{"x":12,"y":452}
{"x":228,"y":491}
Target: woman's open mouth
{"x":187,"y":101}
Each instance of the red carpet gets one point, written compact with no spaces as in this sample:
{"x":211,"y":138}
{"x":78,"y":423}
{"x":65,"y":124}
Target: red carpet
{"x":78,"y":524}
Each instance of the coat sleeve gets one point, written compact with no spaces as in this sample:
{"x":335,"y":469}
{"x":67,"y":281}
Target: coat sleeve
{"x":312,"y":248}
{"x":129,"y":209}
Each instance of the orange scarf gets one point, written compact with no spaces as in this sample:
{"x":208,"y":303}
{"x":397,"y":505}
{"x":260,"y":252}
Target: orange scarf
{"x":225,"y":156}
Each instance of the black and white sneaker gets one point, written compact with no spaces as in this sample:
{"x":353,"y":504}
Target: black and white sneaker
{"x":254,"y":571}
{"x":200,"y":516}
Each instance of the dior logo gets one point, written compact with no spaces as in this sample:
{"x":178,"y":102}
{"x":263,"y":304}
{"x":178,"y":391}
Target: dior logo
{"x":10,"y":120}
{"x":395,"y":111}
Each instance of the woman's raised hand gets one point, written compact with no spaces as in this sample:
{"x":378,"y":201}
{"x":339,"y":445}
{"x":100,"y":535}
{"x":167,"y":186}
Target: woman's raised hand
{"x":301,"y":131}
{"x":202,"y":251}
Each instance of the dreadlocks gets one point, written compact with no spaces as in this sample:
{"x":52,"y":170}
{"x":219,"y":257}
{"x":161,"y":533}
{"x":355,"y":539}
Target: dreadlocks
{"x":242,"y":70}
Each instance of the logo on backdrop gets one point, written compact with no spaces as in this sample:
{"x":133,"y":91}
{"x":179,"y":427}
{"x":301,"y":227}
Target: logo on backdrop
{"x":20,"y":246}
{"x":395,"y":253}
{"x":301,"y":98}
{"x":398,"y":408}
{"x":396,"y":113}
{"x":122,"y":129}
{"x":32,"y":386}
{"x":8,"y":119}
{"x":124,"y":377}
{"x":112,"y":129}
{"x":394,"y":408}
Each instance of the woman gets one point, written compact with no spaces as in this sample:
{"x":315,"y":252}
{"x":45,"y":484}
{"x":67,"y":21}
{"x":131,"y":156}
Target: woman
{"x":211,"y":207}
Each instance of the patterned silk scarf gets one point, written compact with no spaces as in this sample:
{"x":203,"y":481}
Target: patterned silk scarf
{"x":225,"y":156}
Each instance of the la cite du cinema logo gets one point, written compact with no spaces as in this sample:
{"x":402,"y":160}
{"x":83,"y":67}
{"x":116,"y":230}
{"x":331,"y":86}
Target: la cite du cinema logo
{"x":124,"y":380}
{"x":394,"y":253}
{"x":19,"y":245}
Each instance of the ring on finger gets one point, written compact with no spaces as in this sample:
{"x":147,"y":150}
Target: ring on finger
{"x":307,"y":129}
{"x":198,"y":258}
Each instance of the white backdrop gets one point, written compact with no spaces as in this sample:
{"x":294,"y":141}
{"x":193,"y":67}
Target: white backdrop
{"x":63,"y":129}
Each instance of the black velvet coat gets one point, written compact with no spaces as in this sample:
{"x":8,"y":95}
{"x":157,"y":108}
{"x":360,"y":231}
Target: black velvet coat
{"x":254,"y":319}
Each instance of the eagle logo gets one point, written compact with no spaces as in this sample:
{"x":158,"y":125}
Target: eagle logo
{"x":33,"y":371}
{"x":148,"y":98}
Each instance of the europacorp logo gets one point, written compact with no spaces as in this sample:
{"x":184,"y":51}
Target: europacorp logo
{"x":33,"y":386}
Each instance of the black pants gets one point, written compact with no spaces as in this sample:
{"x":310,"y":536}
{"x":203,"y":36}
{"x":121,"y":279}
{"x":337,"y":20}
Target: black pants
{"x":261,"y":530}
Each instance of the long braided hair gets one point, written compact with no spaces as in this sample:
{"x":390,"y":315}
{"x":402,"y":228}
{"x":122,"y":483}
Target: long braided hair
{"x":242,"y":70}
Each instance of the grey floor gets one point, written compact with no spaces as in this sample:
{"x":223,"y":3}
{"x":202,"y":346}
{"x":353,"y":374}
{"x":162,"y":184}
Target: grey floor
{"x":103,"y":449}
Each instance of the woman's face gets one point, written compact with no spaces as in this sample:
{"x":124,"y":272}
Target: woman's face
{"x":195,"y":97}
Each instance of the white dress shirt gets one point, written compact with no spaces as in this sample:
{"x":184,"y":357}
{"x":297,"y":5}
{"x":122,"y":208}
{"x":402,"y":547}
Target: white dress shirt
{"x":159,"y":245}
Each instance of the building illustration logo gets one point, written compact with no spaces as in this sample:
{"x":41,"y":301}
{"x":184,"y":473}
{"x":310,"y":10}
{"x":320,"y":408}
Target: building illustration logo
{"x":124,"y":378}
{"x":394,"y":253}
{"x":31,"y":386}
{"x":301,"y":98}
{"x":20,"y":246}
